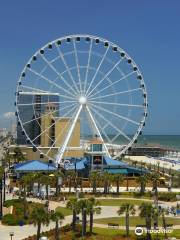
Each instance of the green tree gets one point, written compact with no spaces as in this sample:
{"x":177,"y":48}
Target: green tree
{"x":71,"y":178}
{"x":117,"y":178}
{"x":94,"y":178}
{"x":107,"y":179}
{"x":74,"y":206}
{"x":25,"y":182}
{"x":46,"y":180}
{"x":92,"y":208}
{"x":155,"y":180}
{"x":57,"y":217}
{"x":128,"y":209}
{"x":18,"y":155}
{"x":39,"y":217}
{"x":142,"y":180}
{"x":146,"y":211}
{"x":162,"y":213}
{"x":83,"y":205}
{"x":57,"y":176}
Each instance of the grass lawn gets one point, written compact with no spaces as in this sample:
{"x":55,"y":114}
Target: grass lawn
{"x":64,"y":210}
{"x":134,"y":221}
{"x":118,"y":202}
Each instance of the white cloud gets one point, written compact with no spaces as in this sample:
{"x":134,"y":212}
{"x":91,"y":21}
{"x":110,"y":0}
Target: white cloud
{"x":8,"y":115}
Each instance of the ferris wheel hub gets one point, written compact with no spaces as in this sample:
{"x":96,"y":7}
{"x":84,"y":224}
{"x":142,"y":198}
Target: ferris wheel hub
{"x":82,"y":100}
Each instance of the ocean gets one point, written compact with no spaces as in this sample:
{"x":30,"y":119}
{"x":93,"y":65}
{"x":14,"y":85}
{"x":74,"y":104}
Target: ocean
{"x":169,"y":141}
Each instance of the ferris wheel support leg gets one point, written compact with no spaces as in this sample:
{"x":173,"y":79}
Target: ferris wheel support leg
{"x":97,"y":130}
{"x":69,"y":134}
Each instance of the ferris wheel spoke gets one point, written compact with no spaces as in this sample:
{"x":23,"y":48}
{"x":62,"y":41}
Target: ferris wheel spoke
{"x":50,"y":81}
{"x":55,"y":111}
{"x":42,"y":103}
{"x":107,"y":74}
{"x":92,"y":81}
{"x":67,"y":68}
{"x":116,"y":93}
{"x":62,"y":149}
{"x":61,"y":133}
{"x":102,"y":130}
{"x":110,"y":85}
{"x":97,"y":130}
{"x":110,"y":124}
{"x":87,"y":69}
{"x":77,"y":64}
{"x":118,"y":104}
{"x":58,"y":73}
{"x":117,"y":115}
{"x":35,"y":89}
{"x":53,"y":124}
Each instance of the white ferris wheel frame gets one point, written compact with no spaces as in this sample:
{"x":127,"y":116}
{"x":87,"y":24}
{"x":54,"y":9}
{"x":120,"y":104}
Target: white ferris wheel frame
{"x":84,"y":95}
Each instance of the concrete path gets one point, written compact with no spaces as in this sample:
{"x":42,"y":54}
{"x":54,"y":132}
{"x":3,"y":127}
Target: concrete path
{"x":29,"y":230}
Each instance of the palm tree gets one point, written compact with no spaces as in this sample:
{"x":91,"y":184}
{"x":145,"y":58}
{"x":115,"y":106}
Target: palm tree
{"x":128,"y":209}
{"x":118,"y":178}
{"x":146,"y":211}
{"x":142,"y":180}
{"x":74,"y":206}
{"x":37,"y":178}
{"x":57,"y":217}
{"x":39,"y":217}
{"x":107,"y":178}
{"x":58,"y":175}
{"x":162,"y":213}
{"x":18,"y":155}
{"x":155,"y":178}
{"x":70,"y":177}
{"x":46,"y":180}
{"x":92,"y":207}
{"x":26,"y":181}
{"x":94,"y":177}
{"x":83,"y":204}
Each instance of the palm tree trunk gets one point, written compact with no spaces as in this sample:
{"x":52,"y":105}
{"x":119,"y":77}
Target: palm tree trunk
{"x":74,"y":220}
{"x":127,"y":224}
{"x":57,"y":231}
{"x":91,"y":222}
{"x":70,"y":185}
{"x":25,"y":203}
{"x":127,"y":183}
{"x":164,"y":226}
{"x":84,"y":222}
{"x":148,"y":227}
{"x":117,"y":186}
{"x":38,"y":230}
{"x":47,"y":194}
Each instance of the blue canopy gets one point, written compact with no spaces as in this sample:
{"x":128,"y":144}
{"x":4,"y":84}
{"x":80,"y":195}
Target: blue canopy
{"x":111,"y":162}
{"x":34,"y":165}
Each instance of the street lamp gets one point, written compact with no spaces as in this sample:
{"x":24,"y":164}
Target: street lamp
{"x":11,"y":234}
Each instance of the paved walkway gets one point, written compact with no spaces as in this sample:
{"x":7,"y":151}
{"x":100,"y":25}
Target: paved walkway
{"x":29,"y":230}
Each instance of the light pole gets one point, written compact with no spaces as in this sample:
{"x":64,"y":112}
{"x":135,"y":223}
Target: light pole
{"x":11,"y":234}
{"x":1,"y":199}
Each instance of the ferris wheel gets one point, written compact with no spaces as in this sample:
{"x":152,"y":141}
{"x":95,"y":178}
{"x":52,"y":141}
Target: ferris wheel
{"x":83,"y":79}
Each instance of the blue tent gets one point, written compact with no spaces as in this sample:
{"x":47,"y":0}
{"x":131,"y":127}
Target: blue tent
{"x":111,"y":162}
{"x":34,"y":165}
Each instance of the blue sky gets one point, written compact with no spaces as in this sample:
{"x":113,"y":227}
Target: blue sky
{"x":147,"y":30}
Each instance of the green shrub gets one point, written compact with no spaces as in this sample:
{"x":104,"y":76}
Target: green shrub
{"x":10,"y":219}
{"x":12,"y":202}
{"x":167,"y":197}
